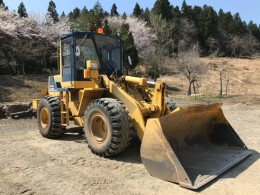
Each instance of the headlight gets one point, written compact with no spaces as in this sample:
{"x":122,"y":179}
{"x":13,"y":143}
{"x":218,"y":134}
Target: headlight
{"x":94,"y":65}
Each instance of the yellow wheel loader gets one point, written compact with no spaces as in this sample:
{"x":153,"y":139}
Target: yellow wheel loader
{"x":186,"y":145}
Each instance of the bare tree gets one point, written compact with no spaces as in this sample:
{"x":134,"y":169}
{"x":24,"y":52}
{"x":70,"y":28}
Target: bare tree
{"x":243,"y":46}
{"x":190,"y":65}
{"x":227,"y":80}
{"x":224,"y":76}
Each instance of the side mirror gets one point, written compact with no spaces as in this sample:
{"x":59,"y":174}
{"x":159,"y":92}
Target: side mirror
{"x":130,"y":60}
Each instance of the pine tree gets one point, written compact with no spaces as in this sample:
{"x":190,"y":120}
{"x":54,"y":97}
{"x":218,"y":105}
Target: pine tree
{"x":163,"y":7}
{"x":137,"y":10}
{"x":186,"y":10}
{"x":107,"y":29}
{"x":254,"y":29}
{"x":177,"y":27}
{"x":221,"y":20}
{"x":241,"y":28}
{"x":146,"y":15}
{"x":129,"y":47}
{"x":84,"y":10}
{"x":226,"y":22}
{"x":53,"y":12}
{"x":83,"y":20}
{"x":113,"y":11}
{"x":75,"y":13}
{"x":22,"y":11}
{"x":195,"y":14}
{"x":2,"y":3}
{"x":63,"y":15}
{"x":96,"y":16}
{"x":211,"y":22}
{"x":124,"y":16}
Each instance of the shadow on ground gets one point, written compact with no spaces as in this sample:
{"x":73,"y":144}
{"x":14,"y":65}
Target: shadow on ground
{"x":75,"y":134}
{"x":131,"y":154}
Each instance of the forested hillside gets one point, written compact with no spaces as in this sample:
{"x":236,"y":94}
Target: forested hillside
{"x":28,"y":42}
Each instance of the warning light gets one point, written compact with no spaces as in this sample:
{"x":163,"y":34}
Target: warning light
{"x":101,"y":31}
{"x":93,"y":29}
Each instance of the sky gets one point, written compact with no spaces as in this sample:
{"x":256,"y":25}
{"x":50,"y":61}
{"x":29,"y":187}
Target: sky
{"x":248,"y":9}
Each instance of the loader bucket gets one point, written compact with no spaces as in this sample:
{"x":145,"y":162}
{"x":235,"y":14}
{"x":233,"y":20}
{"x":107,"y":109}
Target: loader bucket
{"x":191,"y":146}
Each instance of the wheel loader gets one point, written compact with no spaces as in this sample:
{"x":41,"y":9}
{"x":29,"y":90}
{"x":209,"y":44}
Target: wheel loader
{"x":188,"y":145}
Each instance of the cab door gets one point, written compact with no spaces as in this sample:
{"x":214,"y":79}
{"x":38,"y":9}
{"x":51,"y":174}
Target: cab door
{"x":67,"y":60}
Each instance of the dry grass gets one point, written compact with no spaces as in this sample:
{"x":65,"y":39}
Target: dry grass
{"x":244,"y":77}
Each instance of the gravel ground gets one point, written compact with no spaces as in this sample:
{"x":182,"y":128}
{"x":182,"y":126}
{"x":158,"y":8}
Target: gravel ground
{"x":31,"y":164}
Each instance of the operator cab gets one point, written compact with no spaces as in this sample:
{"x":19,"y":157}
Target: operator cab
{"x":79,"y":47}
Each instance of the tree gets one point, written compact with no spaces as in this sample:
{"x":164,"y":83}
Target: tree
{"x":113,"y":11}
{"x":254,"y":29}
{"x":28,"y":44}
{"x":115,"y":23}
{"x":138,"y":28}
{"x":186,"y":10}
{"x":107,"y":29}
{"x":240,"y":27}
{"x":207,"y":25}
{"x":143,"y":36}
{"x":188,"y":35}
{"x":124,"y":16}
{"x":243,"y":46}
{"x":129,"y":47}
{"x":163,"y":8}
{"x":146,"y":15}
{"x":63,"y":15}
{"x":225,"y":21}
{"x":163,"y":42}
{"x":96,"y":16}
{"x":211,"y":22}
{"x":53,"y":12}
{"x":2,"y":3}
{"x":82,"y":23}
{"x":190,"y":66}
{"x":75,"y":13}
{"x":22,"y":11}
{"x":137,"y":10}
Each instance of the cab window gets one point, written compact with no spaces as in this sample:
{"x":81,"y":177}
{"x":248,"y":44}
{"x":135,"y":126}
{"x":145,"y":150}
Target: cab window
{"x":85,"y":50}
{"x":66,"y":53}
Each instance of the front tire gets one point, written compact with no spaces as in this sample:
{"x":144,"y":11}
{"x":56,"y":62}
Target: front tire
{"x":49,"y":117}
{"x":108,"y":128}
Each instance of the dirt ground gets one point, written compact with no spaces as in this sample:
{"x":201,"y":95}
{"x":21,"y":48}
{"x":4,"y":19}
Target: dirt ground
{"x":31,"y":164}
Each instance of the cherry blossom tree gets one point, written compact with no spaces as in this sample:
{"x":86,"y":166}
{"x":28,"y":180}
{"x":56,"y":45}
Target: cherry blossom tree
{"x":143,"y":37}
{"x":29,"y":37}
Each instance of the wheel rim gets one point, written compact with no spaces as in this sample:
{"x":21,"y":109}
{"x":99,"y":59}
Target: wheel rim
{"x":44,"y":117}
{"x":98,"y":127}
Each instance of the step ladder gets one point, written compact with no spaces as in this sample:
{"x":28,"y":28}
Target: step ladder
{"x":65,"y":110}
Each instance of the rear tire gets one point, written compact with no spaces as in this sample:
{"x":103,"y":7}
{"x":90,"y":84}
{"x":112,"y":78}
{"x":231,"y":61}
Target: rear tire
{"x":49,"y":117}
{"x":171,"y":104}
{"x":107,"y":126}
